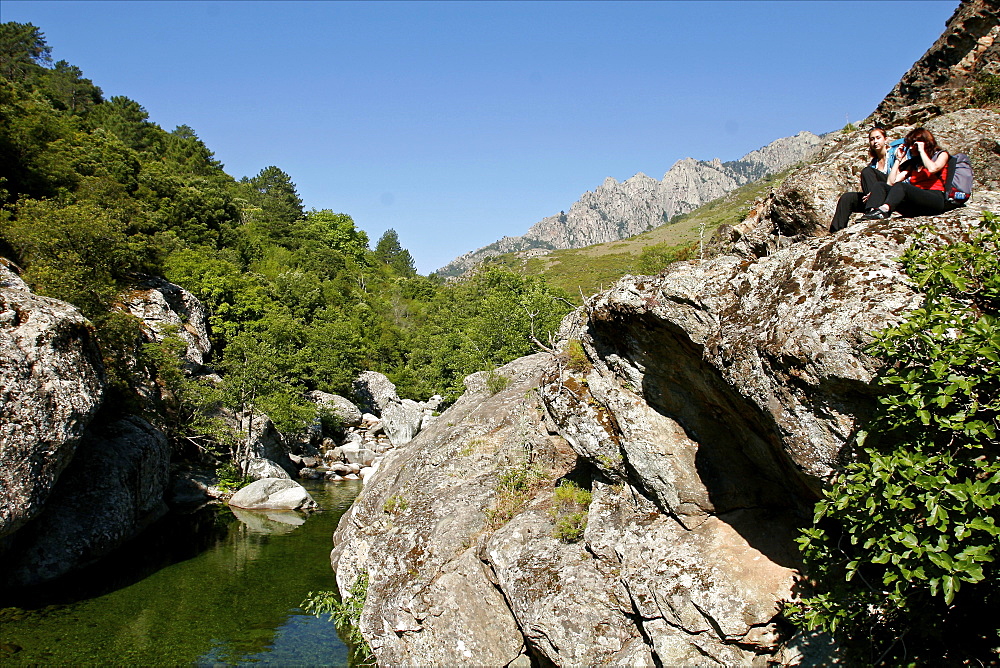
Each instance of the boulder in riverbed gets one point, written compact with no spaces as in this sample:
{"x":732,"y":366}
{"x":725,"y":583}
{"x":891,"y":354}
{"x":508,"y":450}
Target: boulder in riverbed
{"x":112,"y":490}
{"x":273,"y":494}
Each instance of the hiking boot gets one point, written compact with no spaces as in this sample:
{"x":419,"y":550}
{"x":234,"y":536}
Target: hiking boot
{"x":877,"y":214}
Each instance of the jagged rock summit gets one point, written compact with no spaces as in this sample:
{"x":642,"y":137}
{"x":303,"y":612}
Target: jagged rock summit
{"x":701,"y":410}
{"x":616,"y":210}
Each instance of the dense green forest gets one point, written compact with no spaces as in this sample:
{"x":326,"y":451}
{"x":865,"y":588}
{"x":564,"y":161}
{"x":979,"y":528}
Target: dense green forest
{"x":94,"y":196}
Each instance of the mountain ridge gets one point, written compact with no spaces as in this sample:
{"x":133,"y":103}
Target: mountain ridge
{"x":617,"y":210}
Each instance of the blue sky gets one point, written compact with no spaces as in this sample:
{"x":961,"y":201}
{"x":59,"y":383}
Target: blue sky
{"x":456,"y":123}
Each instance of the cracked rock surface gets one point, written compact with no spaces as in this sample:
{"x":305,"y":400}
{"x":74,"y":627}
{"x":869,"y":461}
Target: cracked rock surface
{"x":711,"y":406}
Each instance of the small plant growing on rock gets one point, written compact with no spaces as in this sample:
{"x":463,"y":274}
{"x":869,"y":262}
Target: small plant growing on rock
{"x":230,"y":478}
{"x":496,"y":381}
{"x":345,"y":613}
{"x":395,"y":504}
{"x":330,"y":421}
{"x":514,"y":487}
{"x":576,"y":357}
{"x":570,"y":511}
{"x":986,"y":92}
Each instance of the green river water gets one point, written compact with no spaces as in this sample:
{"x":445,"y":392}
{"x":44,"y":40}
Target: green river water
{"x":201,"y":588}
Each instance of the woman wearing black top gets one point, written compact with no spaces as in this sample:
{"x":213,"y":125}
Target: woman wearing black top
{"x":873,"y":180}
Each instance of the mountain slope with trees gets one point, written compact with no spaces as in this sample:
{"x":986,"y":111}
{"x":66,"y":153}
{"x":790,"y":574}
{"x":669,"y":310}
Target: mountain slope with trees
{"x":94,"y":197}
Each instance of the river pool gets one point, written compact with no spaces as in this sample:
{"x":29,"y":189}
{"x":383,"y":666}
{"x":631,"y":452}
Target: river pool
{"x":202,"y":588}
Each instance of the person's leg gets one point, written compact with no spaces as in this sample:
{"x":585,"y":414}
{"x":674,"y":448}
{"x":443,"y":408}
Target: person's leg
{"x":897,"y":193}
{"x":873,"y":184}
{"x":847,"y":204}
{"x":920,"y":202}
{"x":876,"y":196}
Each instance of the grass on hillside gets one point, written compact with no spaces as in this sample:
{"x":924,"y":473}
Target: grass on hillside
{"x":591,"y":269}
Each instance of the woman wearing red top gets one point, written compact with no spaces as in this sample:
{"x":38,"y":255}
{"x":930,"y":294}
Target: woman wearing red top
{"x":917,"y":185}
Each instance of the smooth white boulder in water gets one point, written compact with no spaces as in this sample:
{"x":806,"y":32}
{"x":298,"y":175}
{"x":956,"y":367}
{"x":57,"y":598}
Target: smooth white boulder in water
{"x":273,"y":494}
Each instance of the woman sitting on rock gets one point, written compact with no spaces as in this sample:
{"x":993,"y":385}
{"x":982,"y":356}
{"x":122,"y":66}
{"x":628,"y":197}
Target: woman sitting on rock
{"x":917,"y":185}
{"x":873,"y":180}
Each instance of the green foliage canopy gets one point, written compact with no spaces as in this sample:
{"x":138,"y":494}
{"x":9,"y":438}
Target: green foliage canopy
{"x":904,"y":545}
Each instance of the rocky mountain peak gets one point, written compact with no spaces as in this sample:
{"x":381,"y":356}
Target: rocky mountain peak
{"x":617,"y":210}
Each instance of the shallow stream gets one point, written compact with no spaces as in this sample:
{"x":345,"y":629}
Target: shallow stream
{"x":203,"y":588}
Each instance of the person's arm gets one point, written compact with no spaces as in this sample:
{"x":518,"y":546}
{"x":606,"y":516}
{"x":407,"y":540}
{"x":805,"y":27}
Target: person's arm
{"x":896,"y":174}
{"x":934,"y":165}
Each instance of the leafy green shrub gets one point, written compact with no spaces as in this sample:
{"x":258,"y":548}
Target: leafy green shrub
{"x":576,"y":358}
{"x":230,"y":478}
{"x":654,"y":259}
{"x":570,"y":511}
{"x":330,"y":420}
{"x":345,"y":613}
{"x":903,"y":548}
{"x":849,"y":128}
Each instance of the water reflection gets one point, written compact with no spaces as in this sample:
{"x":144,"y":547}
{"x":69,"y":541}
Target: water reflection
{"x":232,"y":600}
{"x":269,"y":521}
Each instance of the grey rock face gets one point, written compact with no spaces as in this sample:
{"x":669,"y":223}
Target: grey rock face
{"x":258,"y":468}
{"x":264,"y":440}
{"x":619,"y":210}
{"x":400,"y":419}
{"x":273,"y":494}
{"x":431,"y":599}
{"x":51,"y":384}
{"x":715,"y":403}
{"x":113,"y":488}
{"x":162,"y":305}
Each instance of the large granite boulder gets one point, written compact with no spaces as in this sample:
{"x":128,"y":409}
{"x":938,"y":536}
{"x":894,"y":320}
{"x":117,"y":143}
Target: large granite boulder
{"x":258,"y":468}
{"x":112,"y":490}
{"x":401,"y":418}
{"x":51,"y":385}
{"x":348,"y":414}
{"x":163,"y":307}
{"x":431,"y":598}
{"x":264,"y":445}
{"x":703,"y":408}
{"x":273,"y":494}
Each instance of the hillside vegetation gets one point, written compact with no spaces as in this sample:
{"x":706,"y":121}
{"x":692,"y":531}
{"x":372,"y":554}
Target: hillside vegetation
{"x":585,"y":271}
{"x":94,"y":197}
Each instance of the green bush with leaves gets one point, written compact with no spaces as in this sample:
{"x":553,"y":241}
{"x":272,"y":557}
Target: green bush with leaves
{"x":902,"y":553}
{"x":345,"y":613}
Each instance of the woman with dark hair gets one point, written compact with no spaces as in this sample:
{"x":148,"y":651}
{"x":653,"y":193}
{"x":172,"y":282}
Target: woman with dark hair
{"x":917,"y":184}
{"x":873,"y":180}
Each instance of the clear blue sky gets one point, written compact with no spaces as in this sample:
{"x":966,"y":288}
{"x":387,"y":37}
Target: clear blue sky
{"x":457,"y":123}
